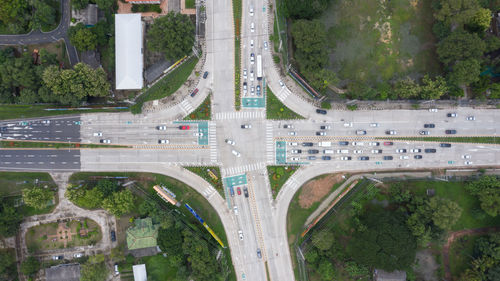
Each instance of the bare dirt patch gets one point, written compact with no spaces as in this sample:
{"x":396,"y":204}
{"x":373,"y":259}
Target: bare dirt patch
{"x":315,"y":190}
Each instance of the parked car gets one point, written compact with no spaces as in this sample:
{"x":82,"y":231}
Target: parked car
{"x":343,"y":143}
{"x":388,"y":157}
{"x":163,"y":141}
{"x":391,"y":132}
{"x":246,"y":126}
{"x":430,"y":125}
{"x":113,"y":236}
{"x":98,"y":134}
{"x":417,"y":156}
{"x":296,"y":151}
{"x":363,"y":158}
{"x":307,"y":144}
{"x":345,"y":158}
{"x":404,"y":157}
{"x":401,"y":150}
{"x":452,"y":114}
{"x":320,"y":111}
{"x":324,"y":127}
{"x":313,"y":151}
{"x":445,"y":144}
{"x":415,"y":150}
{"x":194,"y":92}
{"x":424,"y":132}
{"x":326,"y":157}
{"x":105,"y":141}
{"x":245,"y":191}
{"x":374,"y":143}
{"x":161,"y":127}
{"x":375,"y":151}
{"x":430,"y":150}
{"x":466,"y":157}
{"x":450,"y":132}
{"x":471,"y":118}
{"x":311,"y":157}
{"x":321,"y":133}
{"x":205,"y":75}
{"x":288,"y":126}
{"x":230,"y":141}
{"x":360,"y":132}
{"x":373,"y":124}
{"x":358,"y":143}
{"x":259,"y":254}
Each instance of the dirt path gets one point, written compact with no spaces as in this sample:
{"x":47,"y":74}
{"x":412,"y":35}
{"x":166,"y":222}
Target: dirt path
{"x":454,"y":236}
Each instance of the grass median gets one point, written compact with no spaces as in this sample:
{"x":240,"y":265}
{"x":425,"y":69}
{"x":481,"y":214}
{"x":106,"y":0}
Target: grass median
{"x":490,"y":140}
{"x":202,"y":112}
{"x":278,"y":175}
{"x":237,"y":7}
{"x":167,"y":85}
{"x":276,"y":110}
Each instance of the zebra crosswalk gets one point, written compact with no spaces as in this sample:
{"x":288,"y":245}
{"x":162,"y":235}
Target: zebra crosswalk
{"x":240,"y":115}
{"x":208,"y":192}
{"x":269,"y":143}
{"x":243,"y":169}
{"x":212,"y":141}
{"x":283,"y":93}
{"x":186,"y":106}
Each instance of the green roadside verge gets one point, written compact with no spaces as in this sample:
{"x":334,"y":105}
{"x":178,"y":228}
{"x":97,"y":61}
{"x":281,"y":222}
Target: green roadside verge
{"x":237,"y":7}
{"x":491,"y":140}
{"x":167,"y":85}
{"x":211,"y":175}
{"x":276,"y":110}
{"x":56,"y":145}
{"x":16,"y":111}
{"x":278,"y":175}
{"x":203,"y":112}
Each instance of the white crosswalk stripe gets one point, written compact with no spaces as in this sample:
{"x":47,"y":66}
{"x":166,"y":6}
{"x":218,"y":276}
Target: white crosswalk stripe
{"x":186,"y":106}
{"x":212,"y":141}
{"x":209,"y":191}
{"x":243,"y":169}
{"x":240,"y":115}
{"x":269,"y":143}
{"x":283,"y":94}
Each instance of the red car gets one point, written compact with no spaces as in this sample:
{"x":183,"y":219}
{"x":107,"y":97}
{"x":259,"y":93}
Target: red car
{"x":239,"y":191}
{"x":184,"y":127}
{"x":388,"y":143}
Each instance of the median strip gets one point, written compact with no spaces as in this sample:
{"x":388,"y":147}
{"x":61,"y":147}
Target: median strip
{"x":478,"y":139}
{"x":53,"y":145}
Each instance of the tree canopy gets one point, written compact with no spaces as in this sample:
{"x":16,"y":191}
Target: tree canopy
{"x":82,"y":37}
{"x":30,"y":266}
{"x":305,"y":9}
{"x":459,"y":46}
{"x":8,"y":269}
{"x":487,"y":189}
{"x":387,"y":243}
{"x":445,"y":213}
{"x":9,"y":219}
{"x":37,"y":197}
{"x":172,"y":34}
{"x":119,"y":203}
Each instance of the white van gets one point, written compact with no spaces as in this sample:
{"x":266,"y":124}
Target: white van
{"x":342,"y":151}
{"x":328,"y":151}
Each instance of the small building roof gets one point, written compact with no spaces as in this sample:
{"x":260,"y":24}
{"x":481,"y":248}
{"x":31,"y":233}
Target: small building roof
{"x":66,"y":272}
{"x":128,"y":51}
{"x":142,"y":235}
{"x":381,"y":275}
{"x":140,"y":272}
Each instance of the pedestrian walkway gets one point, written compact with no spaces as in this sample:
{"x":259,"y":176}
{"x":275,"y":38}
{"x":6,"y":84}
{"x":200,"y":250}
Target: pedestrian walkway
{"x":283,"y":94}
{"x":186,"y":106}
{"x":269,"y":143}
{"x":208,"y":192}
{"x":212,"y":141}
{"x":240,"y":115}
{"x":244,"y":169}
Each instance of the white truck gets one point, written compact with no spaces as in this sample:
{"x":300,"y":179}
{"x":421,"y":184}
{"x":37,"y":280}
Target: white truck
{"x":325,"y":144}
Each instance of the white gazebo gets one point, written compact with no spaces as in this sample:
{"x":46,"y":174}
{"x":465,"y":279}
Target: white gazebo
{"x":128,"y":51}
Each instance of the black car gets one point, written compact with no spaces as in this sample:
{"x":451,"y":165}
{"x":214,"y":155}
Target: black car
{"x":311,"y":157}
{"x":388,"y":157}
{"x":3,"y":129}
{"x":113,"y":236}
{"x":430,"y":150}
{"x":307,"y":144}
{"x":320,"y":111}
{"x":326,"y":158}
{"x":205,"y":75}
{"x":245,"y":191}
{"x":286,"y":126}
{"x":363,"y":158}
{"x":259,"y":254}
{"x":313,"y":151}
{"x":324,"y":127}
{"x":343,"y":143}
{"x":417,"y":156}
{"x":450,"y":132}
{"x":445,"y":144}
{"x":429,"y":125}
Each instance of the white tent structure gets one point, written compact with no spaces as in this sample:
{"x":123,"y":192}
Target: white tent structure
{"x":128,"y":51}
{"x":140,"y":272}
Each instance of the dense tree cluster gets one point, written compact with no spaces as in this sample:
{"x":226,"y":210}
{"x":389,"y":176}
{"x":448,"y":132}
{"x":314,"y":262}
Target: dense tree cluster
{"x":485,"y":265}
{"x":172,"y":34}
{"x":20,"y":16}
{"x":105,"y":194}
{"x":94,"y":269}
{"x":37,"y":197}
{"x":305,"y":9}
{"x":8,"y":269}
{"x":9,"y":218}
{"x":30,"y":266}
{"x":191,"y":256}
{"x":487,"y":190}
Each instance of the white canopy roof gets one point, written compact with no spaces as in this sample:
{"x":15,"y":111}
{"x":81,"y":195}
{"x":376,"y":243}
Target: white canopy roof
{"x":140,"y":272}
{"x":128,"y":51}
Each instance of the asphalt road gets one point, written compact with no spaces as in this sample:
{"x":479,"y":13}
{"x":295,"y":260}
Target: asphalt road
{"x":39,"y":37}
{"x":59,"y":129}
{"x":40,"y":160}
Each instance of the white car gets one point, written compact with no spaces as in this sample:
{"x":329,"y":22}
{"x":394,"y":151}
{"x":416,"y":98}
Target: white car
{"x":373,"y":124}
{"x":245,"y":73}
{"x":345,"y":158}
{"x":471,"y":118}
{"x":161,"y":127}
{"x":288,"y":126}
{"x":78,"y":255}
{"x":293,"y":143}
{"x":433,"y":110}
{"x":251,"y":43}
{"x":252,"y":58}
{"x":236,"y":153}
{"x":468,"y":162}
{"x":229,"y":141}
{"x":295,"y":158}
{"x":357,"y":143}
{"x":466,"y":157}
{"x":404,"y":157}
{"x":415,"y":150}
{"x":197,"y":134}
{"x":375,"y":151}
{"x":251,"y":11}
{"x":296,"y":151}
{"x":265,"y":45}
{"x":163,"y":141}
{"x":246,"y":126}
{"x":401,"y":150}
{"x":252,"y":90}
{"x":240,"y":234}
{"x":252,"y":27}
{"x":348,"y":124}
{"x":45,"y":121}
{"x":98,"y":134}
{"x":292,"y":133}
{"x":235,"y":208}
{"x":357,"y":151}
{"x":375,"y":143}
{"x":105,"y":141}
{"x":245,"y":88}
{"x":251,"y":75}
{"x":282,"y":84}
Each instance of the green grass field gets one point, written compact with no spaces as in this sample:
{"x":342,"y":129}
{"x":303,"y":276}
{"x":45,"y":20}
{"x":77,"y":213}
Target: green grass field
{"x":159,"y":268}
{"x":237,"y":7}
{"x":167,"y":85}
{"x":202,"y":112}
{"x":373,"y":41}
{"x":461,"y":252}
{"x":276,"y":110}
{"x":278,"y":175}
{"x":190,"y":4}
